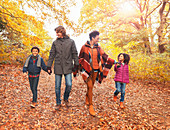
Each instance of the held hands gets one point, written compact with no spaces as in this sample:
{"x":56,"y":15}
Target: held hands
{"x":49,"y":71}
{"x":118,"y":64}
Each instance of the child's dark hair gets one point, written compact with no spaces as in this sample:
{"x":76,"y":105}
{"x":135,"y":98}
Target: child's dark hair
{"x":93,"y":34}
{"x":35,"y":47}
{"x":126,"y":57}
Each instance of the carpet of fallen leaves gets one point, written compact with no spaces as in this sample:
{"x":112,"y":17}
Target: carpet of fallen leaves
{"x":146,"y":106}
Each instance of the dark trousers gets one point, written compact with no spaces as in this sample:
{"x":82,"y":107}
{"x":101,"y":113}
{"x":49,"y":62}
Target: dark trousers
{"x":33,"y":85}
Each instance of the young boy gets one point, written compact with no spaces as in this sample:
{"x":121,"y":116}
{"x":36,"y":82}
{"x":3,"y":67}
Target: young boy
{"x":33,"y":65}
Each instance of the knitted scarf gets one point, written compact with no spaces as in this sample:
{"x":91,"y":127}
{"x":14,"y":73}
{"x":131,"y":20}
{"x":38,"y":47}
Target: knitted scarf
{"x":105,"y":63}
{"x":38,"y":62}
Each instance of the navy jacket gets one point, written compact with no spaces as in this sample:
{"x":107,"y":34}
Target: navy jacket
{"x":32,"y":67}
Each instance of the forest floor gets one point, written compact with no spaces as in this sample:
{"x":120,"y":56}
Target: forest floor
{"x":146,"y":106}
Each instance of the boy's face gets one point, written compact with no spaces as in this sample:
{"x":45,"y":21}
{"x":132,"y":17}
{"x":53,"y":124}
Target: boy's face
{"x":34,"y":52}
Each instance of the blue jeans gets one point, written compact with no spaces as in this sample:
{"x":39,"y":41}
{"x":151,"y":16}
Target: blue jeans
{"x":33,"y":85}
{"x":120,"y":87}
{"x":68,"y":83}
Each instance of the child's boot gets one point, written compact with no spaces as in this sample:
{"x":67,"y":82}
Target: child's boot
{"x":115,"y":98}
{"x":33,"y":104}
{"x":121,"y":104}
{"x":91,"y":110}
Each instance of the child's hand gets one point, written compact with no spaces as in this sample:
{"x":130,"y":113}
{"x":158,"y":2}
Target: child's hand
{"x":25,"y":73}
{"x":49,"y":71}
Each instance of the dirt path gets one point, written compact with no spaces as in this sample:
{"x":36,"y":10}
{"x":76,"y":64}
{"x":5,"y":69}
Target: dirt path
{"x":146,"y":107}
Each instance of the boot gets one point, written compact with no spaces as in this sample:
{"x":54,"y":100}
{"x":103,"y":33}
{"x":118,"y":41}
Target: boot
{"x":121,"y":104}
{"x":33,"y":104}
{"x":91,"y":110}
{"x":58,"y":107}
{"x":87,"y":101}
{"x":115,"y":98}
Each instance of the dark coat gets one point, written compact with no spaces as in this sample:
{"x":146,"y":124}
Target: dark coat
{"x":64,"y":52}
{"x":33,"y":69}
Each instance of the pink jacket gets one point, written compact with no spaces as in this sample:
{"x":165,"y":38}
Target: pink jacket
{"x":122,"y":73}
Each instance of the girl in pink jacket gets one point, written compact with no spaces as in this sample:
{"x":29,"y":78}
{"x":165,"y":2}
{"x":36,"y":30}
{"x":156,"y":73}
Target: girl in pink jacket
{"x":122,"y":76}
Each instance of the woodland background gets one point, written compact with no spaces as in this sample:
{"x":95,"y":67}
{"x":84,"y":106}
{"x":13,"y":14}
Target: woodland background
{"x":137,"y":27}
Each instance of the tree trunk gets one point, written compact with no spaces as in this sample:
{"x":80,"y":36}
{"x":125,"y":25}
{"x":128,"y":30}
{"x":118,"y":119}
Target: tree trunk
{"x":147,"y":45}
{"x":160,"y":30}
{"x":150,"y":32}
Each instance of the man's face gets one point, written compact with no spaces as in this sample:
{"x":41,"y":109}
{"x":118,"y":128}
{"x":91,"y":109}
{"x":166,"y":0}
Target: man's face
{"x":34,"y":52}
{"x":96,"y":39}
{"x":59,"y":35}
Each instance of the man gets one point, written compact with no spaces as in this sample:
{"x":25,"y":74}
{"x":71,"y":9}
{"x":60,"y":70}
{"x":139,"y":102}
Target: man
{"x":94,"y":64}
{"x":64,"y":52}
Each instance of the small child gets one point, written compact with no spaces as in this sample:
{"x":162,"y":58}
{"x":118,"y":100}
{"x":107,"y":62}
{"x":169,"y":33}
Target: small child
{"x":122,"y":76}
{"x":33,"y":65}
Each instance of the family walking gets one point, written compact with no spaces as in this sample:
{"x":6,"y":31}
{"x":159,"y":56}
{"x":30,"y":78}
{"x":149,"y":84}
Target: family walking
{"x":92,"y":61}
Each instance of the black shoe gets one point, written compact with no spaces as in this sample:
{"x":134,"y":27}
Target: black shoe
{"x":58,"y":107}
{"x":66,"y":103}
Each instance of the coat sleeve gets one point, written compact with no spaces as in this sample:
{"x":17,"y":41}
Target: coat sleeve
{"x":44,"y":67}
{"x":115,"y":68}
{"x":51,"y":56}
{"x":75,"y":54}
{"x":25,"y":69}
{"x":106,"y":58}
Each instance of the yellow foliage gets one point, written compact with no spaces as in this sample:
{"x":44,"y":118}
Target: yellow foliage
{"x":155,"y":67}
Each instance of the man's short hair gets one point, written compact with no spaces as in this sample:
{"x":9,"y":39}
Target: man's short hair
{"x":93,"y":34}
{"x":61,"y":29}
{"x":35,"y":47}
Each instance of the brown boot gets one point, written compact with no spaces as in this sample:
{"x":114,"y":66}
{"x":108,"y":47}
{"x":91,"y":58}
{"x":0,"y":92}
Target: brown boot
{"x":121,"y":105}
{"x":87,"y":101}
{"x":115,"y":98}
{"x":91,"y":110}
{"x":33,"y":104}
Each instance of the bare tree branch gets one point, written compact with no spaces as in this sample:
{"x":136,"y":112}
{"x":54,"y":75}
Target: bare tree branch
{"x":153,"y":10}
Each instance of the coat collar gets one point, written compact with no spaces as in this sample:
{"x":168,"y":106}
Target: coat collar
{"x":87,"y":44}
{"x":62,"y":39}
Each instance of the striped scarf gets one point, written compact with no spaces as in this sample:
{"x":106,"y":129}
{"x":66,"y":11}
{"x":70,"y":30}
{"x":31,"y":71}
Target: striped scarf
{"x":85,"y":61}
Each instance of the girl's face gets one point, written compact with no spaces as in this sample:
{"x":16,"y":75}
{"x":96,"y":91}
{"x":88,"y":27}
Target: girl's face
{"x":34,"y":52}
{"x":121,"y":57}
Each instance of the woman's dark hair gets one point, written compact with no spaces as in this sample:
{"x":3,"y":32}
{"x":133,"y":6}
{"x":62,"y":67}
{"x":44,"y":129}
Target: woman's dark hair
{"x":126,"y":57}
{"x":93,"y":34}
{"x":35,"y":47}
{"x":61,"y":29}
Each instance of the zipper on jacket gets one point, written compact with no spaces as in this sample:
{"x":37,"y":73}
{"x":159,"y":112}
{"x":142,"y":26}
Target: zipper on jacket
{"x":92,"y":56}
{"x":122,"y":73}
{"x":33,"y":66}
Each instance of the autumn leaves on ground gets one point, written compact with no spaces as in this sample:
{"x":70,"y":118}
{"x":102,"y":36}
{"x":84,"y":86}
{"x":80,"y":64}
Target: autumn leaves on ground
{"x":146,"y":106}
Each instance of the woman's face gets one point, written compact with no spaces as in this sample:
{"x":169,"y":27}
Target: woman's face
{"x":96,"y":39}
